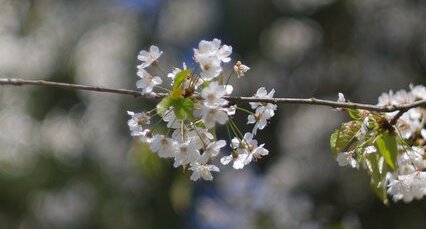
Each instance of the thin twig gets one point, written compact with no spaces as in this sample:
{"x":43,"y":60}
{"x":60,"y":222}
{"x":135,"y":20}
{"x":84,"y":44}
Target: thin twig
{"x":396,"y":117}
{"x":312,"y":101}
{"x":329,"y":103}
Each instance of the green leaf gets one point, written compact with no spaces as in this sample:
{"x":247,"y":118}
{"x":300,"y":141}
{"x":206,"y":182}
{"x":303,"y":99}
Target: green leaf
{"x":386,"y":143}
{"x":344,"y":138}
{"x":183,"y":108}
{"x":380,"y":190}
{"x":377,"y":169}
{"x":333,"y":141}
{"x":180,"y":77}
{"x":355,"y":114}
{"x":164,"y":105}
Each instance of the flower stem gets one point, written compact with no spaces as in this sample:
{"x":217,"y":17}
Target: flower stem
{"x":245,"y":110}
{"x":229,"y":77}
{"x":229,"y":133}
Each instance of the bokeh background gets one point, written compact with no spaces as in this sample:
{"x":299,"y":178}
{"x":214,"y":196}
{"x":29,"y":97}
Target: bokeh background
{"x":67,"y":159}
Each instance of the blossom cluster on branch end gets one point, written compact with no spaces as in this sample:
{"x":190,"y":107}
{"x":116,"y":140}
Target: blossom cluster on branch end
{"x":192,"y":109}
{"x":390,"y":146}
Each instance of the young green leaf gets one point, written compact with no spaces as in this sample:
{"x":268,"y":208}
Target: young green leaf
{"x":344,"y":137}
{"x":180,"y":77}
{"x":386,"y":143}
{"x":183,"y":108}
{"x":380,"y":190}
{"x":354,"y":114}
{"x":377,"y":169}
{"x":164,"y":105}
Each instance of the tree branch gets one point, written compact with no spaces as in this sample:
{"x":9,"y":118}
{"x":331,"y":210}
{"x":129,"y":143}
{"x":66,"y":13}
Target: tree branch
{"x":233,"y":99}
{"x":329,"y":103}
{"x":43,"y":83}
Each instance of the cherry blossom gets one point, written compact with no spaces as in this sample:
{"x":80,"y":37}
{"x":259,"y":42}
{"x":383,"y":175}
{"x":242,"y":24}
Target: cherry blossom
{"x":238,"y":160}
{"x":137,"y":122}
{"x":147,"y":81}
{"x":191,"y":139}
{"x":346,"y":158}
{"x":165,"y":147}
{"x":240,"y":69}
{"x":186,"y":153}
{"x":213,"y":94}
{"x":213,"y":49}
{"x":150,"y":57}
{"x":212,"y":115}
{"x":198,"y":102}
{"x":202,"y":171}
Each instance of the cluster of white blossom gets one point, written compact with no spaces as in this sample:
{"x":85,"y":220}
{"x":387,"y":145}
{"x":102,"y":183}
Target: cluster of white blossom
{"x":408,"y":180}
{"x":194,"y":105}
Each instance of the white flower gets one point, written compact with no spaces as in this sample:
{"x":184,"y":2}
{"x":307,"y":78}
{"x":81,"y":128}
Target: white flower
{"x":210,"y":67}
{"x":262,"y":94}
{"x":411,"y":160}
{"x":260,"y":118}
{"x":230,"y":110}
{"x":187,"y":153}
{"x":210,"y":55}
{"x":224,"y":53}
{"x":150,"y":57}
{"x":248,"y":146}
{"x":370,"y":149}
{"x":212,"y":150}
{"x":410,"y":122}
{"x":384,"y":99}
{"x":403,"y":97}
{"x":407,"y":187}
{"x":237,"y":159}
{"x":213,"y":93}
{"x":211,"y":116}
{"x":213,"y":49}
{"x":264,"y":111}
{"x":242,"y":145}
{"x":208,"y":48}
{"x":203,"y":171}
{"x":171,"y":119}
{"x":398,"y":98}
{"x":198,"y":138}
{"x":345,"y":158}
{"x":244,"y":151}
{"x":145,"y":136}
{"x":363,"y":129}
{"x":147,"y":81}
{"x":240,"y":69}
{"x":268,"y":109}
{"x":397,"y":187}
{"x":256,"y":152}
{"x":137,"y":121}
{"x":259,"y":121}
{"x":418,"y":91}
{"x":341,"y":98}
{"x":165,"y":147}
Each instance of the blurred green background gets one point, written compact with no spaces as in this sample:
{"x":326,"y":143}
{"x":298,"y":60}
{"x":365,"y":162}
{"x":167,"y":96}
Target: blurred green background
{"x":67,"y":159}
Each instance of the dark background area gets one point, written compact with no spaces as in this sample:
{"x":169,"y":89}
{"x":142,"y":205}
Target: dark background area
{"x":67,"y":159}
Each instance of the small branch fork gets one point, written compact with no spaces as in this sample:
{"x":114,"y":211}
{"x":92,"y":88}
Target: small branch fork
{"x":312,"y":101}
